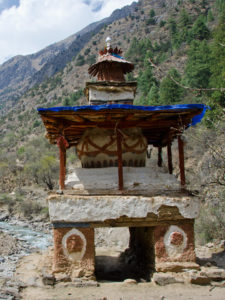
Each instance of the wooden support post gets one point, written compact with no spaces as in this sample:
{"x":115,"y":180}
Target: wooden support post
{"x":181,"y":160}
{"x":62,"y":144}
{"x":169,"y":156}
{"x":160,"y":156}
{"x":62,"y":175}
{"x":120,"y":160}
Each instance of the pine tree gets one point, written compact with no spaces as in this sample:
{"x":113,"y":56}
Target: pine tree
{"x":153,"y":95}
{"x":199,"y":30}
{"x":217,"y":66}
{"x":184,"y":19}
{"x":210,"y":16}
{"x":198,"y":65}
{"x":170,"y":92}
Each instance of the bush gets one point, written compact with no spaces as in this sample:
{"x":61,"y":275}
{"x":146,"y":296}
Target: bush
{"x":211,"y":223}
{"x":80,"y":60}
{"x":27,"y":208}
{"x":162,"y":23}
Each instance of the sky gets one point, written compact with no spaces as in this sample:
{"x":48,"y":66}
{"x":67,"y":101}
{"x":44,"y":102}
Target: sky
{"x":27,"y":26}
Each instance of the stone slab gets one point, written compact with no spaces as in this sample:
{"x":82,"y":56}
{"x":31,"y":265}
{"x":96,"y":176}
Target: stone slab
{"x":176,"y":266}
{"x":76,"y":208}
{"x":134,"y":179}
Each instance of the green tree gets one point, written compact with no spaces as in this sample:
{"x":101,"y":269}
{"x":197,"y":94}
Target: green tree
{"x":151,"y":20}
{"x":80,"y":60}
{"x":184,"y":19}
{"x":138,"y":49}
{"x":44,"y":171}
{"x":217,"y":66}
{"x":146,"y":78}
{"x":198,"y":65}
{"x":210,"y":16}
{"x":199,"y":30}
{"x":174,"y":33}
{"x":152,"y":13}
{"x":153,"y":95}
{"x":169,"y":91}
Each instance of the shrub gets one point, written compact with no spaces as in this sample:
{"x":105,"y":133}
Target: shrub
{"x":211,"y":223}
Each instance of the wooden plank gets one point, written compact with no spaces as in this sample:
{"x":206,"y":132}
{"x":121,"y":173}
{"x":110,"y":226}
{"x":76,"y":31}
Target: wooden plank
{"x":147,"y":192}
{"x":62,"y":144}
{"x":181,"y":161}
{"x":169,"y":156}
{"x":136,"y":223}
{"x":159,"y":156}
{"x":120,"y":160}
{"x":62,"y":167}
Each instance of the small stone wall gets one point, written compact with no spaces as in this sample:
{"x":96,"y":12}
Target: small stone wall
{"x":74,"y":251}
{"x":174,"y":245}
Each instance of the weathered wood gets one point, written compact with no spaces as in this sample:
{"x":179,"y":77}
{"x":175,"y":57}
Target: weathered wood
{"x":160,"y":156}
{"x":181,"y":160}
{"x":62,"y":175}
{"x":169,"y":156}
{"x":159,"y":127}
{"x":62,"y":144}
{"x":106,"y":192}
{"x":137,"y":223}
{"x":120,"y":160}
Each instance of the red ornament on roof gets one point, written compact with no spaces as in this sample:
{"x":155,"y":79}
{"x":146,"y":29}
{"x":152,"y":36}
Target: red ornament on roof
{"x":111,"y":66}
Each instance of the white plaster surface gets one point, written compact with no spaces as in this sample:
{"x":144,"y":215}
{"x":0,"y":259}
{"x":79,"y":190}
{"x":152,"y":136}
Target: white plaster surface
{"x":174,"y":251}
{"x":74,"y":256}
{"x":145,"y":178}
{"x":71,"y":208}
{"x":106,"y":95}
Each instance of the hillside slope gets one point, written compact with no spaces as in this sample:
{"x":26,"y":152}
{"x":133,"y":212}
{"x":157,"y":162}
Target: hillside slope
{"x":22,"y":72}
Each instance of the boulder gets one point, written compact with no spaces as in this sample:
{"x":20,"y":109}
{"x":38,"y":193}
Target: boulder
{"x":166,"y":278}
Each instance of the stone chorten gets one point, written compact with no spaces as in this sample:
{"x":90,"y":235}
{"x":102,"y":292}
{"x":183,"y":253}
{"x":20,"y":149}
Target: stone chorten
{"x":111,"y":86}
{"x":98,"y":147}
{"x":111,"y":190}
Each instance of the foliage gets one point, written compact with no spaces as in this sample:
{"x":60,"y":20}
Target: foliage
{"x":91,"y":59}
{"x":217,"y":67}
{"x":199,"y":30}
{"x":170,"y":92}
{"x":72,"y":98}
{"x":151,"y":20}
{"x":162,"y":23}
{"x":153,"y":95}
{"x":198,"y":65}
{"x":211,"y":223}
{"x":138,"y":49}
{"x":146,"y":78}
{"x":44,"y":171}
{"x":80,"y":60}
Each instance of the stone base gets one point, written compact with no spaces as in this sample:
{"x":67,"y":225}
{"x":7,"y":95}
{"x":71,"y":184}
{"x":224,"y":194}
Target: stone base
{"x":164,"y":248}
{"x":176,"y":266}
{"x":175,"y":243}
{"x":74,"y":252}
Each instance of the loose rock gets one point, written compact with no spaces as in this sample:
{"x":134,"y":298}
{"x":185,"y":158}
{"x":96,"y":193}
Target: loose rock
{"x":165,"y":278}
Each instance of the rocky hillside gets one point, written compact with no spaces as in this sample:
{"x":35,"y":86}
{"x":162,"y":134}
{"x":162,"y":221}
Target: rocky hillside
{"x":22,"y":72}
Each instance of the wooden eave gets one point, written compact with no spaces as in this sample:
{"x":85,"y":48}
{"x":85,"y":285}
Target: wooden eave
{"x":159,"y":127}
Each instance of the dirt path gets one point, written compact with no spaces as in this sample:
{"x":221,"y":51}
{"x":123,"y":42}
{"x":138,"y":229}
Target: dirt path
{"x":30,"y":267}
{"x":123,"y":291}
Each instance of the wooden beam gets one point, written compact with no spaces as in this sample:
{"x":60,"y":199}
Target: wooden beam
{"x":181,"y":160}
{"x":160,"y":156}
{"x":62,"y":144}
{"x":120,"y":160}
{"x":169,"y":156}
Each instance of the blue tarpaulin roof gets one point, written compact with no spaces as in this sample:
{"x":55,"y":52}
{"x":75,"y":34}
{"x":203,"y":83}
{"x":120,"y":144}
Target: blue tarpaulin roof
{"x":196,"y":119}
